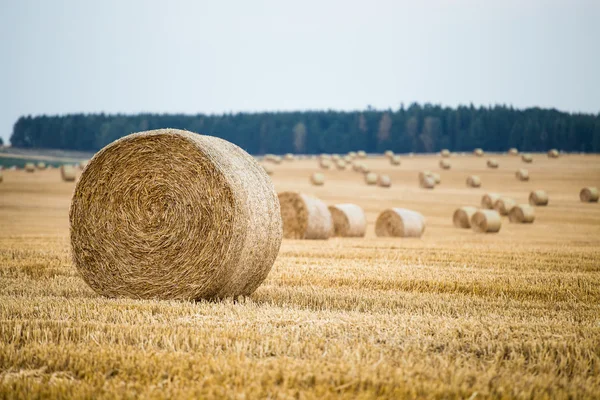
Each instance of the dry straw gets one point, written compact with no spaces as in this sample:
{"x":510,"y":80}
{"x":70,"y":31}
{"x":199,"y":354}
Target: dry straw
{"x":589,"y":195}
{"x":504,"y":204}
{"x":289,"y":157}
{"x":30,"y":167}
{"x":527,"y":158}
{"x":388,"y":154}
{"x":492,"y":163}
{"x":395,"y":160}
{"x":174,"y":215}
{"x":474,"y":181}
{"x":427,"y":182}
{"x":488,"y":200}
{"x":522,"y":174}
{"x":336,"y":157}
{"x":400,"y":222}
{"x":478,"y":152}
{"x":1,"y":176}
{"x":538,"y":198}
{"x":513,"y":151}
{"x":304,"y":217}
{"x":67,"y":173}
{"x":553,"y":153}
{"x":462,"y":216}
{"x":352,"y":154}
{"x":486,"y":221}
{"x":340,"y":164}
{"x":349,"y":220}
{"x":325,"y":163}
{"x":267,"y":169}
{"x":41,"y":165}
{"x":445,"y":153}
{"x":444,"y":164}
{"x":317,"y":179}
{"x":384,"y":181}
{"x":361,"y":154}
{"x":436,"y":178}
{"x":522,"y":213}
{"x":371,"y":178}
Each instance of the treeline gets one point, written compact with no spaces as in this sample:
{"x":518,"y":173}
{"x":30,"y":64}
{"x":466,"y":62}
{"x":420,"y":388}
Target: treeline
{"x":418,"y":128}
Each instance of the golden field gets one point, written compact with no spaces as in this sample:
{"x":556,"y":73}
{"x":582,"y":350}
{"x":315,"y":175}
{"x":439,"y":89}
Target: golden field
{"x":454,"y":314}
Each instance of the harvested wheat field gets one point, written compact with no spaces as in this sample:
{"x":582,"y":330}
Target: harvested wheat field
{"x":453,"y":314}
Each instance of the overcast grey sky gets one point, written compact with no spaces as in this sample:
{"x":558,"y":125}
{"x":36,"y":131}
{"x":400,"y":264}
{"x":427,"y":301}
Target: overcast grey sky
{"x":219,"y":56}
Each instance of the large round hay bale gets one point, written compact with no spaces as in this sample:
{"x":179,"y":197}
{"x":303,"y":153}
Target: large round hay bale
{"x":400,"y":222}
{"x":304,"y":217}
{"x":486,"y":221}
{"x":538,"y":198}
{"x":474,"y":181}
{"x":444,"y":164}
{"x":492,"y":163}
{"x":325,"y":163}
{"x":445,"y":153}
{"x":30,"y":167}
{"x":436,"y":178}
{"x":340,"y":164}
{"x":522,"y":213}
{"x":488,"y":200}
{"x":589,"y":195}
{"x":348,"y":160}
{"x":388,"y":154}
{"x":349,"y":220}
{"x":371,"y":178}
{"x":513,"y":151}
{"x":553,"y":153}
{"x":324,"y":156}
{"x":478,"y":152}
{"x":384,"y":181}
{"x":504,"y":204}
{"x":361,"y":154}
{"x":395,"y":160}
{"x":427,"y":182}
{"x":174,"y":215}
{"x":317,"y":179}
{"x":67,"y":173}
{"x":423,"y":174}
{"x":527,"y":158}
{"x":462,"y":217}
{"x":352,"y":154}
{"x":336,"y":157}
{"x":41,"y":165}
{"x":289,"y":157}
{"x":522,"y":174}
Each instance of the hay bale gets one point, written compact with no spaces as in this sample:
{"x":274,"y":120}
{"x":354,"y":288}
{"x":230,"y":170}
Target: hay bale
{"x":371,"y":178}
{"x":340,"y":164}
{"x":289,"y":157}
{"x":352,"y":154}
{"x":522,"y":174}
{"x":304,"y":217}
{"x":462,"y":217}
{"x":384,"y":181}
{"x":171,"y":214}
{"x":348,"y":160}
{"x":478,"y":152}
{"x":324,"y":157}
{"x":395,"y":160}
{"x":349,"y":220}
{"x":41,"y":165}
{"x":426,"y":181}
{"x":492,"y":163}
{"x":474,"y":181}
{"x":486,"y":221}
{"x":444,"y":164}
{"x":325,"y":163}
{"x":364,"y":168}
{"x":522,"y":213}
{"x":267,"y":169}
{"x":538,"y":198}
{"x":553,"y":153}
{"x":589,"y":195}
{"x":526,"y":158}
{"x":388,"y":154}
{"x":400,"y":222}
{"x":317,"y":179}
{"x":29,"y":167}
{"x":361,"y":154}
{"x":436,"y":178}
{"x":504,"y":204}
{"x":488,"y":200}
{"x":513,"y":151}
{"x":445,"y":153}
{"x":67,"y":173}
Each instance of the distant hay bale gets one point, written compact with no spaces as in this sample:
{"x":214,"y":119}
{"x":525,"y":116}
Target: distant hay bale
{"x":538,"y":198}
{"x":436,"y":178}
{"x":553,"y":153}
{"x":371,"y":178}
{"x":488,"y":200}
{"x":170,"y":214}
{"x":400,"y":222}
{"x":67,"y":173}
{"x":384,"y":181}
{"x":317,"y":179}
{"x":522,"y":174}
{"x":364,"y":168}
{"x":349,"y":220}
{"x":29,"y":167}
{"x":267,"y":169}
{"x":268,"y":157}
{"x":361,"y":154}
{"x":427,"y":182}
{"x":336,"y":157}
{"x":504,"y":204}
{"x":388,"y":154}
{"x":478,"y":152}
{"x":325,"y":163}
{"x":348,"y":160}
{"x":462,"y":217}
{"x":486,"y":221}
{"x":395,"y":160}
{"x":527,"y":158}
{"x":445,"y":153}
{"x":492,"y":163}
{"x":340,"y":164}
{"x":352,"y":154}
{"x":357,"y":166}
{"x":304,"y":217}
{"x":444,"y":164}
{"x":513,"y":151}
{"x":325,"y":157}
{"x":589,"y":195}
{"x":474,"y":181}
{"x":289,"y":157}
{"x":522,"y":213}
{"x":41,"y":165}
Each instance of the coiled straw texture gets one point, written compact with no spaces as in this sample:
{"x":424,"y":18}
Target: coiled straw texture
{"x":589,"y":195}
{"x":400,"y":222}
{"x":462,"y":217}
{"x":504,"y":204}
{"x":174,"y":215}
{"x":488,"y":200}
{"x":304,"y":217}
{"x":522,"y":213}
{"x":349,"y":220}
{"x":486,"y":221}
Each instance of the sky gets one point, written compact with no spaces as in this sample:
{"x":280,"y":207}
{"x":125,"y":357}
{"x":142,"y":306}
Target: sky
{"x":130,"y":56}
